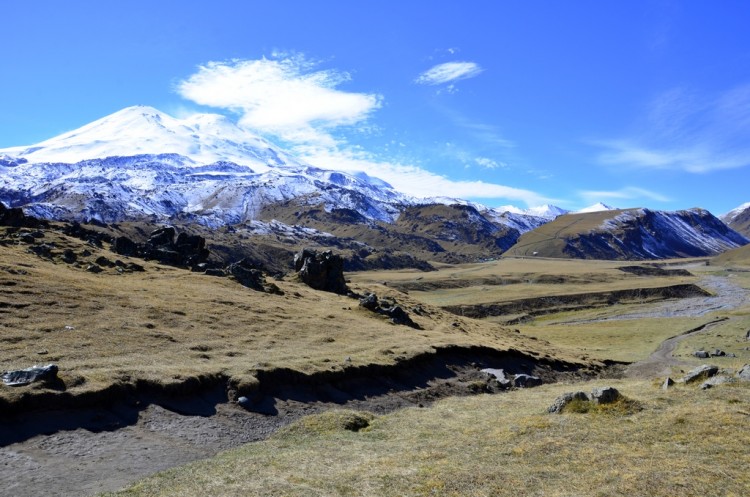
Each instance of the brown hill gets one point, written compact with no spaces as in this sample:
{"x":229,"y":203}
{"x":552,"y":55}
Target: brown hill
{"x":630,"y":234}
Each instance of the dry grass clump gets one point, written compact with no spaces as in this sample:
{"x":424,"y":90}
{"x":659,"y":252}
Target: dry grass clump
{"x":623,"y":406}
{"x":683,"y":442}
{"x":328,"y":422}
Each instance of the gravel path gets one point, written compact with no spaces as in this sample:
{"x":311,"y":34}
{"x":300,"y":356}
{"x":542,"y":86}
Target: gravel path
{"x":726,"y":296}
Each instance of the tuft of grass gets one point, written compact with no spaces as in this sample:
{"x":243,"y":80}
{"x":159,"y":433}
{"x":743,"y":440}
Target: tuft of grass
{"x":327,"y":423}
{"x":623,"y":406}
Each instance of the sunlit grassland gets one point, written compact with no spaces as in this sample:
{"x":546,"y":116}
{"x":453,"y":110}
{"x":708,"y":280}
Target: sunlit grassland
{"x":683,"y":442}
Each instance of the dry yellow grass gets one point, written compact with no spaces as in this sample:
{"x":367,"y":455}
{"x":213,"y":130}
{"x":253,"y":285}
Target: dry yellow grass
{"x":683,"y":442}
{"x":166,"y":325}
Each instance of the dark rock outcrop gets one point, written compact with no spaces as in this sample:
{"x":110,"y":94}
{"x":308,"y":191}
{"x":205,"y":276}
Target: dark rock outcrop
{"x":393,"y":311}
{"x":14,"y":216}
{"x":186,"y":251}
{"x":321,"y":270}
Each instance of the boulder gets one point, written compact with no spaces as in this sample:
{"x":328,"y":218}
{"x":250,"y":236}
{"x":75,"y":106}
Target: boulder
{"x":667,"y":383}
{"x":563,"y":400}
{"x":744,"y":373}
{"x":701,"y":354}
{"x":700,"y":373}
{"x":125,"y":246}
{"x":399,"y":316}
{"x":604,"y":395}
{"x":499,"y":375}
{"x":716,"y":380}
{"x":94,"y":268}
{"x":718,"y":353}
{"x":321,"y":270}
{"x":161,"y":237}
{"x":370,"y":302}
{"x":526,"y":381}
{"x":247,"y":275}
{"x":69,"y":257}
{"x":30,"y":375}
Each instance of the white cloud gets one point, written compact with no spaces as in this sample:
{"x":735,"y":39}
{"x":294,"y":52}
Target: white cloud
{"x":284,"y":97}
{"x":448,"y":72}
{"x":288,"y":98}
{"x":488,"y":163}
{"x":688,"y":132}
{"x":627,"y":193}
{"x":417,"y":181}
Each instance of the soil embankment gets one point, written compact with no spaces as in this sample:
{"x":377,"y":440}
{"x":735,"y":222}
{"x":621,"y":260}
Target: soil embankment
{"x":90,"y":450}
{"x":564,"y":303}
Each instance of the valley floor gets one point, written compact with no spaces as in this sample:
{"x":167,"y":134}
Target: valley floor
{"x":344,"y":403}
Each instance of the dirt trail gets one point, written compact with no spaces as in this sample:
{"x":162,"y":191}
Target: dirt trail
{"x":726,"y":296}
{"x":660,"y":362}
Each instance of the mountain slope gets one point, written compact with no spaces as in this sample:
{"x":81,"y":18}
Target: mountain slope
{"x":140,"y":162}
{"x":142,"y":130}
{"x":638,"y":234}
{"x":739,"y":219}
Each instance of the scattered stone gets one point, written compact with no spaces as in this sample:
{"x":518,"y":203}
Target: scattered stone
{"x":387,"y":307}
{"x":103,"y":261}
{"x":26,"y":238}
{"x":716,"y":380}
{"x":399,"y":316}
{"x":499,"y":375}
{"x":526,"y":381}
{"x":604,"y":395}
{"x":700,"y":373}
{"x":244,"y":402}
{"x":701,"y":354}
{"x":563,"y":400}
{"x":370,"y":302}
{"x":42,"y":250}
{"x":93,"y":268}
{"x":30,"y":375}
{"x":136,"y":268}
{"x":744,"y":373}
{"x":69,"y":257}
{"x":667,"y":383}
{"x":321,"y":271}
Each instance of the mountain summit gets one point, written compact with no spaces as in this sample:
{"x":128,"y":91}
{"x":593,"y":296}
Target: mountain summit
{"x":142,"y":130}
{"x":140,"y":162}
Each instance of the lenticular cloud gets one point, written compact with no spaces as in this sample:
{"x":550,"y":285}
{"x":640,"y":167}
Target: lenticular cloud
{"x":284,"y":97}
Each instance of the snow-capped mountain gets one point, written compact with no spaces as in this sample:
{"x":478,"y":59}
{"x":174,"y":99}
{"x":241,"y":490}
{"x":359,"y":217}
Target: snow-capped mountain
{"x":142,"y":130}
{"x":140,"y":161}
{"x":632,"y":234}
{"x":738,"y":219}
{"x":597,"y":207}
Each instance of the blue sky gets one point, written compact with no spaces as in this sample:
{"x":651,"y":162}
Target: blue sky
{"x":502,"y":102}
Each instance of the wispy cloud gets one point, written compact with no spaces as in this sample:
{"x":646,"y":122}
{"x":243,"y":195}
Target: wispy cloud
{"x":448,"y":72}
{"x":626,"y":193}
{"x":488,"y":163}
{"x":288,"y":98}
{"x":689,"y":132}
{"x":417,"y":181}
{"x":284,"y":97}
